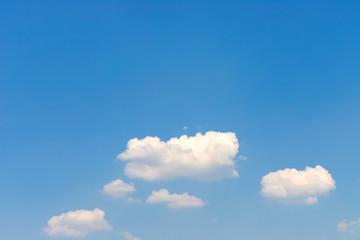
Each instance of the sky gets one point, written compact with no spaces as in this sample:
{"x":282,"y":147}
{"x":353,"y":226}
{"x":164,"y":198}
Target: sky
{"x":160,"y":120}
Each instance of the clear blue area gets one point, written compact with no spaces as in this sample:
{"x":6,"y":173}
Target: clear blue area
{"x":81,"y":78}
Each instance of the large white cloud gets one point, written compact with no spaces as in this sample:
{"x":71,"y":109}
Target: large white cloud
{"x":204,"y":157}
{"x":175,"y":200}
{"x":118,"y":188}
{"x":351,"y":227}
{"x":293,"y":186}
{"x":77,"y":223}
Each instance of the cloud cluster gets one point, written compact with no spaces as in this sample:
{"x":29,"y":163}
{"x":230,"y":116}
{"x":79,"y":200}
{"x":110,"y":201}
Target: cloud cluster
{"x":350,"y":227}
{"x":118,"y":188}
{"x":77,"y":223}
{"x":176,"y":201}
{"x":204,"y":157}
{"x":293,"y":186}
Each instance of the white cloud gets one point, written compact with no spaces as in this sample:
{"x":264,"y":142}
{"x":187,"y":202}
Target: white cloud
{"x":77,"y":223}
{"x":185,"y":127}
{"x":350,"y":227}
{"x":293,"y":186}
{"x":204,"y":157}
{"x":118,"y":188}
{"x":128,"y":236}
{"x":131,"y":200}
{"x":176,"y":201}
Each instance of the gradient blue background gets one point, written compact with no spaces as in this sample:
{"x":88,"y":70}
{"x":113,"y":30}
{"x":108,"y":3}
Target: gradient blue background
{"x":80,"y":78}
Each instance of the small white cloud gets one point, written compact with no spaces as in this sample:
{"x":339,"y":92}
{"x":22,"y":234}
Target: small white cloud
{"x":176,"y":201}
{"x":293,"y":186}
{"x":204,"y":157}
{"x":342,"y":226}
{"x":128,"y":236}
{"x":350,"y":227}
{"x":118,"y":188}
{"x":77,"y":223}
{"x":131,"y":200}
{"x":185,"y":127}
{"x":241,"y":157}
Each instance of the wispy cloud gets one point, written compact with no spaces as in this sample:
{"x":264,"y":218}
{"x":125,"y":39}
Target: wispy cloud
{"x":176,"y":201}
{"x":128,"y":236}
{"x":350,"y":227}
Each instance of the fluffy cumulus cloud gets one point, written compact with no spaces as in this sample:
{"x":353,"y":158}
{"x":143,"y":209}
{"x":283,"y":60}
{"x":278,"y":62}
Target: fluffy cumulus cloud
{"x":128,"y":236}
{"x":204,"y":157}
{"x":118,"y":188}
{"x":294,"y":186}
{"x":350,"y":227}
{"x":176,"y":201}
{"x":77,"y":223}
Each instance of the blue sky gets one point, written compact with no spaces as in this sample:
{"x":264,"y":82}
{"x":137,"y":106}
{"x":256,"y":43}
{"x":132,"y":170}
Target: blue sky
{"x":80,"y":79}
